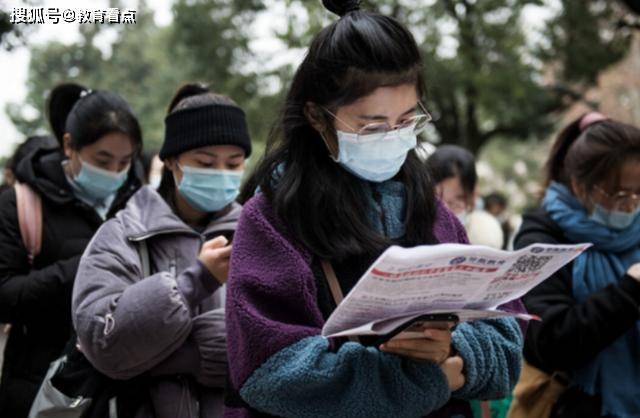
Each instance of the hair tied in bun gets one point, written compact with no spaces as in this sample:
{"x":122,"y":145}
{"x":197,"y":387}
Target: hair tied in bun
{"x":341,"y":8}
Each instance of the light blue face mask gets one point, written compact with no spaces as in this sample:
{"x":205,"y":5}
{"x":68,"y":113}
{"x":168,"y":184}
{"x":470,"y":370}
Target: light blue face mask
{"x":94,"y":183}
{"x":463,"y":217}
{"x":375,"y":157}
{"x":209,"y":190}
{"x":613,"y":219}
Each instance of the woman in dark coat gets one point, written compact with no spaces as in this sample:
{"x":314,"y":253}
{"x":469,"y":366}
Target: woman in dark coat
{"x":590,"y":308}
{"x":81,"y":183}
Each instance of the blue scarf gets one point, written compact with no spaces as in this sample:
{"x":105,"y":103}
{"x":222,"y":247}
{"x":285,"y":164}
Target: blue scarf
{"x":614,"y":373}
{"x":387,"y":206}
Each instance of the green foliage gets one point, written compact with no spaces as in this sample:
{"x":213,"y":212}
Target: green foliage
{"x":484,"y":78}
{"x":483,"y":81}
{"x":480,"y":84}
{"x":207,"y":42}
{"x":12,"y":36}
{"x":584,"y":38}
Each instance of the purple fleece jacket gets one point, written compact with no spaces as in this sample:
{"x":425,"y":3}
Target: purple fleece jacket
{"x":273,"y":321}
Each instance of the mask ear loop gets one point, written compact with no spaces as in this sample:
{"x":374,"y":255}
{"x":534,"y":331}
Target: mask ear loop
{"x":67,"y":168}
{"x":173,"y":173}
{"x":326,"y":143}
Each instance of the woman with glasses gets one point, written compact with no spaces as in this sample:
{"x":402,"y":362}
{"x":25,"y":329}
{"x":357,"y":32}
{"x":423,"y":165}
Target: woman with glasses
{"x":590,"y":308}
{"x":340,"y":183}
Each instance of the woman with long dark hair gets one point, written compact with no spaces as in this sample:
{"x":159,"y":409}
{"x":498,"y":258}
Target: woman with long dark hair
{"x":340,"y":182}
{"x":84,"y":181}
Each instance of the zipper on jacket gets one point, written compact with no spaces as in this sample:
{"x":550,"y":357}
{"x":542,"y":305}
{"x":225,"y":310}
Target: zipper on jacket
{"x":203,"y":238}
{"x":113,"y":407}
{"x":173,"y":264}
{"x":192,"y":409}
{"x":161,"y":232}
{"x":109,"y":324}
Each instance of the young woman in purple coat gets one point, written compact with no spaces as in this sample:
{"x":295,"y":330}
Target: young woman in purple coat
{"x":341,"y":182}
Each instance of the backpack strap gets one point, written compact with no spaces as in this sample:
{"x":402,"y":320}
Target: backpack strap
{"x":29,"y":207}
{"x":332,"y":280}
{"x":334,"y":286}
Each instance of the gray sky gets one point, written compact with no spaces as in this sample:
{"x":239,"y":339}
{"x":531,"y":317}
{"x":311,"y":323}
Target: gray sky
{"x":14,"y":65}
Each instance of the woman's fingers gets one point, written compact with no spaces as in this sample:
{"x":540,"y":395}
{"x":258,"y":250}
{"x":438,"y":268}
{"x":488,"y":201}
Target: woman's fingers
{"x":435,"y":356}
{"x":452,"y":368}
{"x":437,"y":334}
{"x":224,"y":252}
{"x":432,"y":336}
{"x":435,"y":346}
{"x":217,"y":242}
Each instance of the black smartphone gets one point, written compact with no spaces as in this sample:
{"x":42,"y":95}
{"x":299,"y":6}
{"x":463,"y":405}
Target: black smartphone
{"x":413,"y":328}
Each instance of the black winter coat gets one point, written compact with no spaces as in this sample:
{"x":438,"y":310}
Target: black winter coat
{"x":571,"y":334}
{"x":36,"y":300}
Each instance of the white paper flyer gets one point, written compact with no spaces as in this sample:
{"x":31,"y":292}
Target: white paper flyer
{"x":470,"y":281}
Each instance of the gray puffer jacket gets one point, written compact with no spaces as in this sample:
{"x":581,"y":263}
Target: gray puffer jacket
{"x":169,"y":325}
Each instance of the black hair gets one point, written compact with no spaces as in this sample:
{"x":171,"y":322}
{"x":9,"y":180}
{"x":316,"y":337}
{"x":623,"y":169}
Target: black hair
{"x":495,"y":198}
{"x":592,"y":154}
{"x":89,"y":115}
{"x":341,"y":8}
{"x":320,"y":201}
{"x":28,"y":146}
{"x":146,"y":160}
{"x":454,"y":161}
{"x":189,"y":96}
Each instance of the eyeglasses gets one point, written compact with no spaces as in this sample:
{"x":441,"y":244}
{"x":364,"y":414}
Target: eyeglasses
{"x":417,"y":122}
{"x":620,"y":199}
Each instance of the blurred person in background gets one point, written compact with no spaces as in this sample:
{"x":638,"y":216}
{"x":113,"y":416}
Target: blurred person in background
{"x":31,"y":144}
{"x":453,"y":169}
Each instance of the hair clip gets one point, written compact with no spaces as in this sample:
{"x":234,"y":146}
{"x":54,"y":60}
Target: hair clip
{"x":591,"y":118}
{"x":84,"y":93}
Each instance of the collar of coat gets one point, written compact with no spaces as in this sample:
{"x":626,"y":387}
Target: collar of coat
{"x":147,"y":215}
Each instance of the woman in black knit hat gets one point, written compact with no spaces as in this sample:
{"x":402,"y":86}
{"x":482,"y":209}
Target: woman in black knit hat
{"x":149,"y":296}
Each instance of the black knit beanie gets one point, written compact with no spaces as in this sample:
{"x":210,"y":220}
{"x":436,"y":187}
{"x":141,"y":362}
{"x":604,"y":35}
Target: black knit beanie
{"x":195,"y":127}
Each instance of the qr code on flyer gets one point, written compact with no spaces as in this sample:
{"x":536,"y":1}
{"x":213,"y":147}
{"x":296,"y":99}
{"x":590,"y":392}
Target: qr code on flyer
{"x":529,"y":263}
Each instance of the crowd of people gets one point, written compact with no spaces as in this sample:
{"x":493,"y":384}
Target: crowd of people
{"x":177,"y":285}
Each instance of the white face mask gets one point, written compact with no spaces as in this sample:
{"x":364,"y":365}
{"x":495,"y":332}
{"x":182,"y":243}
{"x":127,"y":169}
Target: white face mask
{"x":375,"y":157}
